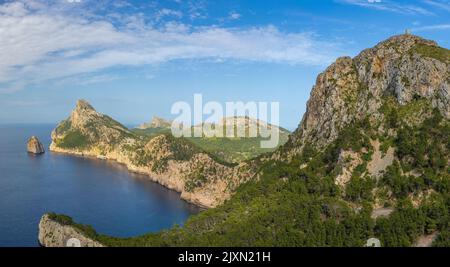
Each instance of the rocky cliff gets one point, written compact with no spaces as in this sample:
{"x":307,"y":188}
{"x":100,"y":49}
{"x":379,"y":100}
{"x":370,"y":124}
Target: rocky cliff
{"x":405,"y":67}
{"x":35,"y":146}
{"x":54,"y":232}
{"x":174,"y":163}
{"x":374,"y":115}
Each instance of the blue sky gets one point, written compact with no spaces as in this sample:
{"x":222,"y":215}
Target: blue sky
{"x":134,"y":59}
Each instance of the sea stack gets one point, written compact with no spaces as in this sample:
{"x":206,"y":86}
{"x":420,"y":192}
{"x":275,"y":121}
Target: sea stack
{"x":35,"y":146}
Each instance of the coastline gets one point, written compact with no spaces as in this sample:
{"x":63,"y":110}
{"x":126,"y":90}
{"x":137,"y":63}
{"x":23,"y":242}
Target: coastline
{"x":171,"y":183}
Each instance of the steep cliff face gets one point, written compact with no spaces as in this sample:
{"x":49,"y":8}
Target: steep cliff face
{"x":381,"y":116}
{"x":174,"y":163}
{"x":405,"y":67}
{"x":55,"y":233}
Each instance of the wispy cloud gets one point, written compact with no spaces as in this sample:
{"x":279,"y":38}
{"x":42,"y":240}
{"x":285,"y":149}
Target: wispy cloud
{"x":197,"y":9}
{"x":432,"y":28}
{"x":234,"y":15}
{"x":85,"y":79}
{"x":40,"y":43}
{"x":388,"y":5}
{"x":165,"y":12}
{"x":441,"y":4}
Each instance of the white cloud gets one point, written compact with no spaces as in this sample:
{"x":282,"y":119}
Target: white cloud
{"x":165,"y":12}
{"x":13,"y":8}
{"x":432,"y":28}
{"x":389,"y":5}
{"x":197,"y":9}
{"x":235,"y":15}
{"x":41,"y":45}
{"x":85,"y":79}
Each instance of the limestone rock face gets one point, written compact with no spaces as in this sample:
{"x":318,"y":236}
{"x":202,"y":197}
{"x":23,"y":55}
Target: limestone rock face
{"x":405,"y":67}
{"x":55,"y":234}
{"x":35,"y":146}
{"x":86,"y":125}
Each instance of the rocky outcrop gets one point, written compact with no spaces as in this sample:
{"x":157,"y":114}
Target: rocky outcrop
{"x":156,"y":122}
{"x":35,"y":146}
{"x":55,"y":234}
{"x":379,"y":162}
{"x":172,"y":162}
{"x":405,"y":67}
{"x":348,"y":160}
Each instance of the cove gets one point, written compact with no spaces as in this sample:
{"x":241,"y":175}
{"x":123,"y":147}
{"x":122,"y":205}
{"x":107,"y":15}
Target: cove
{"x":101,"y":193}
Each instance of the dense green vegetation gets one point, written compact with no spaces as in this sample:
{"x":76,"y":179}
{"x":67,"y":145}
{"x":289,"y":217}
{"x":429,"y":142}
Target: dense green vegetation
{"x":422,"y":149}
{"x":297,"y":203}
{"x":224,"y":149}
{"x":234,"y":149}
{"x":293,"y":205}
{"x":151,"y":132}
{"x":66,"y":220}
{"x":443,"y":239}
{"x":407,"y":223}
{"x":73,"y":139}
{"x":439,"y":53}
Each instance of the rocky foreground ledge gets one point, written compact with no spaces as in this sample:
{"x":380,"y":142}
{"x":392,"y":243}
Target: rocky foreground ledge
{"x":54,"y":231}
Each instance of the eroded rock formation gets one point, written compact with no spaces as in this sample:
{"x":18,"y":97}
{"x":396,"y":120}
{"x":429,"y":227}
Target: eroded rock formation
{"x":35,"y":146}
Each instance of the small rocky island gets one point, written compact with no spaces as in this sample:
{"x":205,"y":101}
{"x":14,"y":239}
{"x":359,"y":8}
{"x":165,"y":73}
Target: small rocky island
{"x":34,"y":146}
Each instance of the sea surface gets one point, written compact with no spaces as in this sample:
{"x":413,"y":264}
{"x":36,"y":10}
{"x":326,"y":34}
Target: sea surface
{"x":101,"y":193}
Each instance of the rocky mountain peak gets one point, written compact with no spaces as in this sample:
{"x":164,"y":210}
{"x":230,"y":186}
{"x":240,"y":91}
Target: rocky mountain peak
{"x":158,"y":122}
{"x":83,"y":114}
{"x":84,"y":105}
{"x":405,"y":42}
{"x":404,"y":67}
{"x":85,"y":125}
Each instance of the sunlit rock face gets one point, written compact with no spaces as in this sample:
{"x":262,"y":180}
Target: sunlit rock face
{"x":54,"y":233}
{"x":404,"y":67}
{"x":34,"y":146}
